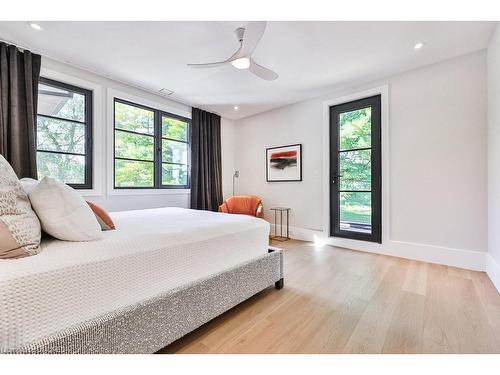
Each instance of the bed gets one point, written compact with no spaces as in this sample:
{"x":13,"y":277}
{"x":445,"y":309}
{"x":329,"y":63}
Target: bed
{"x":163,"y":273}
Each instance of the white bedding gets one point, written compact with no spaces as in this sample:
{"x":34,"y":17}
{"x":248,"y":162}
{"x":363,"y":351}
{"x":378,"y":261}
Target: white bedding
{"x":151,"y":251}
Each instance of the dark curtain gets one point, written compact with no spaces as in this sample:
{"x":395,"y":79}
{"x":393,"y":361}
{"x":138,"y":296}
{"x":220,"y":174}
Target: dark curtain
{"x":206,"y":161}
{"x":19,"y":75}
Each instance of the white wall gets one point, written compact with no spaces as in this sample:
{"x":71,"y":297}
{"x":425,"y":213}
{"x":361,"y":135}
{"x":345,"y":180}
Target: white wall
{"x":438,"y":147}
{"x":103,"y":89}
{"x":298,"y":123}
{"x":494,"y":157}
{"x":437,"y":163}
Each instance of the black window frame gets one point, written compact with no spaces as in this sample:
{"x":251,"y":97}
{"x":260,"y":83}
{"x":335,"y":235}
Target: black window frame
{"x":88,"y":94}
{"x":375,"y":102}
{"x":158,"y":140}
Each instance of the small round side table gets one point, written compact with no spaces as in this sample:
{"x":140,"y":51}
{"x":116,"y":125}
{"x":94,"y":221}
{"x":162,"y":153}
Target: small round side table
{"x":279,"y":211}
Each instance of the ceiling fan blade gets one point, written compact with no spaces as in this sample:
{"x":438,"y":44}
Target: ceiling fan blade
{"x":262,"y":72}
{"x":207,"y":65}
{"x":251,"y":37}
{"x":218,"y":63}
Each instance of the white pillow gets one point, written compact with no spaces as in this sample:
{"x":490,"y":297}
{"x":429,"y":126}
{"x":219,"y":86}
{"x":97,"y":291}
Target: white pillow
{"x":28,"y":184}
{"x":64,"y":214}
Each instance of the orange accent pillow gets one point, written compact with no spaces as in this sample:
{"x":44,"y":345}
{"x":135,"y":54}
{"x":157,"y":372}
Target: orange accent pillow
{"x":102,"y":217}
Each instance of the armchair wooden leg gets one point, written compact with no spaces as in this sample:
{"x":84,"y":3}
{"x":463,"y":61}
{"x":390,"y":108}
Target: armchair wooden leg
{"x":279,"y":284}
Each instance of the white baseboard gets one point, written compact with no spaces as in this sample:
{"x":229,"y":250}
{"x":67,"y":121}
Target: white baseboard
{"x":493,"y":271}
{"x":468,"y":259}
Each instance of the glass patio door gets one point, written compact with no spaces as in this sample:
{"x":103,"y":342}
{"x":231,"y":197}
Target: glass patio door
{"x":355,"y":170}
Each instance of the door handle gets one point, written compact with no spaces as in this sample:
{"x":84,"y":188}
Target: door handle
{"x":335,"y":177}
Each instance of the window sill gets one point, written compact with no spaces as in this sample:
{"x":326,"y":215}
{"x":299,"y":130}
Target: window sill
{"x":149,"y":191}
{"x":89,"y":192}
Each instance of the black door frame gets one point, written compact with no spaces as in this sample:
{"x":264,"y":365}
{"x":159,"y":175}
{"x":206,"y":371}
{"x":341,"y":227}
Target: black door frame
{"x":376,"y":162}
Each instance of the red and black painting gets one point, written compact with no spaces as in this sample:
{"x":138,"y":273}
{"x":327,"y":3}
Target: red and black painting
{"x":284,"y":163}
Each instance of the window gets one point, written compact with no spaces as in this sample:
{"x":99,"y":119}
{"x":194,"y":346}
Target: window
{"x":151,"y":148}
{"x":355,"y":170}
{"x":64,"y":133}
{"x":174,"y":151}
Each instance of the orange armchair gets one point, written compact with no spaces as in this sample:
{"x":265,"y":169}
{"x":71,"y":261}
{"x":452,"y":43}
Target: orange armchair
{"x":243,"y":204}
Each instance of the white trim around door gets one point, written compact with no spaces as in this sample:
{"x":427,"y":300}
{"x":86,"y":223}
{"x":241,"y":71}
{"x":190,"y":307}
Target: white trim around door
{"x":383,"y":91}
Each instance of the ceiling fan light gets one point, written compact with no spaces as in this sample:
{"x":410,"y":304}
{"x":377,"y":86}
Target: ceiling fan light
{"x":241,"y":63}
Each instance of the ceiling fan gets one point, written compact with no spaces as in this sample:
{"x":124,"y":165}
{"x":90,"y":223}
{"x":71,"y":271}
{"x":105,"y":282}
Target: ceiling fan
{"x":249,"y":38}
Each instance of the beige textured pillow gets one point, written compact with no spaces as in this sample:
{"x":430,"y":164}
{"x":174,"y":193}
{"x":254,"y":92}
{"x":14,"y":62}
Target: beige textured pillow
{"x":64,"y":214}
{"x":19,"y":226}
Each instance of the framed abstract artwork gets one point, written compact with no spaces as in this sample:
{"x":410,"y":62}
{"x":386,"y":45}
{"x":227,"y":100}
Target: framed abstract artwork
{"x":284,"y":163}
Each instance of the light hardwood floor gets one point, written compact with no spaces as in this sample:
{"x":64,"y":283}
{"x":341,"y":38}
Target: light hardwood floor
{"x":342,"y":301}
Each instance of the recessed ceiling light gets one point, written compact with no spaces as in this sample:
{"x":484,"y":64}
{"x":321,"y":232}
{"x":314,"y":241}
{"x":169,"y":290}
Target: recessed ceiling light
{"x":418,"y":45}
{"x":236,"y":107}
{"x":35,"y":26}
{"x":241,"y":63}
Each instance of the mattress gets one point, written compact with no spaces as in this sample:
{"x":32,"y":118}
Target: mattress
{"x":152,"y":251}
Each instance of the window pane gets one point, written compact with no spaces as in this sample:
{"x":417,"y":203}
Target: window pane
{"x":58,"y":135}
{"x":134,"y":173}
{"x":60,"y":102}
{"x":174,"y":152}
{"x":356,"y":170}
{"x":69,"y":169}
{"x":355,"y":129}
{"x":173,"y":174}
{"x":356,"y":212}
{"x":133,"y":118}
{"x":174,"y":128}
{"x":134,"y":146}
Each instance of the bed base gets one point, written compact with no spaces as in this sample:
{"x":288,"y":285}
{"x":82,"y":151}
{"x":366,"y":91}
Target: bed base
{"x":148,"y":326}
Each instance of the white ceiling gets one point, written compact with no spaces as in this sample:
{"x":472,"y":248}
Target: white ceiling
{"x":311,"y":57}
